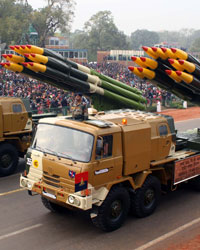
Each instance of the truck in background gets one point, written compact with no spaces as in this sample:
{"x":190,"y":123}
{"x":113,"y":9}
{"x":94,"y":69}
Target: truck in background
{"x":17,"y":125}
{"x":15,"y":132}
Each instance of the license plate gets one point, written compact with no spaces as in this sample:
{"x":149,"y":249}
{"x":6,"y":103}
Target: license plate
{"x":49,"y":195}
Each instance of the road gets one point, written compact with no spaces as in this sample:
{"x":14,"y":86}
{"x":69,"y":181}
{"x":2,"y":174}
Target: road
{"x":26,"y":224}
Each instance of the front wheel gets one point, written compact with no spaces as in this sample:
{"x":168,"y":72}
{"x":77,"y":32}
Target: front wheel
{"x":113,"y":212}
{"x":8,"y":159}
{"x":53,"y":207}
{"x":146,"y":198}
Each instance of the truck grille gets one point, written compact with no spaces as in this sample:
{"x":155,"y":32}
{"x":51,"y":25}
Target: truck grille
{"x":59,"y":182}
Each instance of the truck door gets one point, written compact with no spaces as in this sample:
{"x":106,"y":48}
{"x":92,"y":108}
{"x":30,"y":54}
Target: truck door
{"x":104,"y":168}
{"x":18,"y":117}
{"x":165,"y":140}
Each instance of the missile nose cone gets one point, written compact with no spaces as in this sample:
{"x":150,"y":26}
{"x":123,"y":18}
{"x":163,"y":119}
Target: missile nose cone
{"x":31,"y":63}
{"x":7,"y":63}
{"x":181,"y":61}
{"x":2,"y":64}
{"x":4,"y":55}
{"x":32,"y":54}
{"x":26,"y":54}
{"x":23,"y":46}
{"x":28,"y":46}
{"x":131,"y":68}
{"x":164,"y":49}
{"x":144,"y":48}
{"x":140,"y":69}
{"x":134,"y":58}
{"x":17,"y":46}
{"x":179,"y":73}
{"x":168,"y":71}
{"x":25,"y":64}
{"x":171,"y":61}
{"x":173,"y":50}
{"x":12,"y":47}
{"x":143,"y":59}
{"x":154,"y":49}
{"x":9,"y":55}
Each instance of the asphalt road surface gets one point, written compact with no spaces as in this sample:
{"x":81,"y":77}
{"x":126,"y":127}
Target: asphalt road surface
{"x":26,"y":224}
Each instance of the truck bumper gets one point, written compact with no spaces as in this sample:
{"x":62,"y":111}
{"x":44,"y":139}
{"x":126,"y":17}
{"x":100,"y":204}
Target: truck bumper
{"x":60,"y":196}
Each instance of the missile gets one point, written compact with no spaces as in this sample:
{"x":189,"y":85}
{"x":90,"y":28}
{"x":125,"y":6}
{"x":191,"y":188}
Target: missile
{"x":168,"y":53}
{"x":139,"y":62}
{"x":189,"y":79}
{"x":136,"y":71}
{"x":190,"y":67}
{"x":159,"y":52}
{"x":150,"y":63}
{"x":175,"y":64}
{"x":181,"y":54}
{"x":16,"y":48}
{"x":150,"y":52}
{"x":15,"y":58}
{"x":13,"y":66}
{"x":25,"y":71}
{"x":149,"y":74}
{"x":172,"y":74}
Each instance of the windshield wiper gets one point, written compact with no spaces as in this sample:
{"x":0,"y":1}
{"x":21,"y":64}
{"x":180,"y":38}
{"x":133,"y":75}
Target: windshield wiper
{"x":68,"y":156}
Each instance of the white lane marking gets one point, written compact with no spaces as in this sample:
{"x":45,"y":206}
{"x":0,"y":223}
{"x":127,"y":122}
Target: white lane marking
{"x":13,"y":191}
{"x":167,"y":235}
{"x":19,"y":231}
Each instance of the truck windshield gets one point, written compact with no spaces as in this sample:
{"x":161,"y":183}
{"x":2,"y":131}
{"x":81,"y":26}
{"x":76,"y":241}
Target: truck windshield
{"x":64,"y":142}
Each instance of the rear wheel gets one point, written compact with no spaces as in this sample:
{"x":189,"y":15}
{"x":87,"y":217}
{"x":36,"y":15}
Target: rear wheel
{"x":195,"y":183}
{"x":146,"y":198}
{"x":113,"y":212}
{"x":8,"y":159}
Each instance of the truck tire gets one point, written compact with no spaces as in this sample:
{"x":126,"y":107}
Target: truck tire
{"x":52,"y":206}
{"x":146,"y":198}
{"x":113,"y":212}
{"x":195,"y":183}
{"x":8,"y":159}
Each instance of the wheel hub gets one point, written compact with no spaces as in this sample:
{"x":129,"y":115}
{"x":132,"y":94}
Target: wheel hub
{"x":116,"y":209}
{"x":149,"y":197}
{"x":6,"y":160}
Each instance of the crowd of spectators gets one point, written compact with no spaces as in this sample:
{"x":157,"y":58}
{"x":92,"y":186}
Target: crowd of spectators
{"x":46,"y":98}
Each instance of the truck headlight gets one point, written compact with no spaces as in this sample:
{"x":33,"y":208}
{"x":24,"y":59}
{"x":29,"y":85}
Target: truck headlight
{"x":24,"y":183}
{"x":71,"y":199}
{"x":29,"y":185}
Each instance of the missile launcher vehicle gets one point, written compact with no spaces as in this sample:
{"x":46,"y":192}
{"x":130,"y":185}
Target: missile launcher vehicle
{"x":110,"y":164}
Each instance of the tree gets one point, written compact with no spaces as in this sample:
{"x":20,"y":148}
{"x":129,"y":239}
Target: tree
{"x":14,"y":19}
{"x":143,"y":38}
{"x":195,"y":45}
{"x":100,"y":33}
{"x":57,"y":15}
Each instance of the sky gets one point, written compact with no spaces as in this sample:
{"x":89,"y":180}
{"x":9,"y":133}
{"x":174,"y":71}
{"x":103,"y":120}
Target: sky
{"x":130,"y":15}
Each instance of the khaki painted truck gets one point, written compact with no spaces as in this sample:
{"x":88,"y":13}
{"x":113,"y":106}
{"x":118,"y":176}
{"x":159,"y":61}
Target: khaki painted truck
{"x":15,"y":132}
{"x":110,"y":164}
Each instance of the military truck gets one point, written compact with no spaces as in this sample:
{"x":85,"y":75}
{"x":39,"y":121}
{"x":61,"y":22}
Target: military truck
{"x":15,"y":132}
{"x":16,"y":128}
{"x":108,"y":165}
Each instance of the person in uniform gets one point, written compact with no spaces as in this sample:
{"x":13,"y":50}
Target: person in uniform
{"x":79,"y":108}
